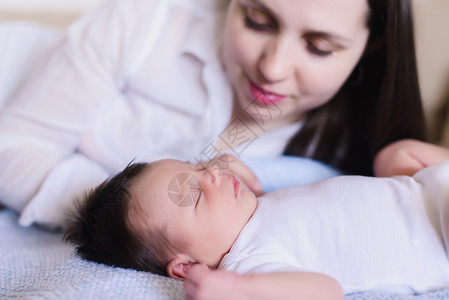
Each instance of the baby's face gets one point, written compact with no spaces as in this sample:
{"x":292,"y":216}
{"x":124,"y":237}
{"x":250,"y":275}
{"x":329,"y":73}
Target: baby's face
{"x":204,"y":209}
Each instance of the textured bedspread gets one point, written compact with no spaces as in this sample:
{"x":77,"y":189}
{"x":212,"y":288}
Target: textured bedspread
{"x":36,"y":264}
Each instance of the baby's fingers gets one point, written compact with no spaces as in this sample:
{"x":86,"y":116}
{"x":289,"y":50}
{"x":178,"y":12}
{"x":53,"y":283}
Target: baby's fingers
{"x":194,"y":281}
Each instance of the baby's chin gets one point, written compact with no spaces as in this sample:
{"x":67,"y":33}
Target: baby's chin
{"x":250,"y":200}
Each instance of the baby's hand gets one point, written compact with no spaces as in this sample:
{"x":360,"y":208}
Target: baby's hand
{"x":203,"y":283}
{"x":230,"y":163}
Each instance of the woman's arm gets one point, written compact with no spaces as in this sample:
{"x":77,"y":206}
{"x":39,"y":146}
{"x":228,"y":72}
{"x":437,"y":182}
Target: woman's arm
{"x":42,"y":127}
{"x":406,"y":157}
{"x":202,"y":283}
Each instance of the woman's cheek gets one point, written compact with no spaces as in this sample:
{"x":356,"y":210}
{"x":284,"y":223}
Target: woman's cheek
{"x":245,"y":49}
{"x":317,"y":88}
{"x":328,"y":80}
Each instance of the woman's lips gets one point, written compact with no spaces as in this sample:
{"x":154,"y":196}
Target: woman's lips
{"x":264,"y":97}
{"x":236,"y":186}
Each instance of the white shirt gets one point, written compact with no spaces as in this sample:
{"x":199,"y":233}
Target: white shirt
{"x":366,"y":232}
{"x":133,"y":79}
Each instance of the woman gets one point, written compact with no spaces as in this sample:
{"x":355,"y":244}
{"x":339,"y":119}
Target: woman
{"x":379,"y":104}
{"x":331,"y":80}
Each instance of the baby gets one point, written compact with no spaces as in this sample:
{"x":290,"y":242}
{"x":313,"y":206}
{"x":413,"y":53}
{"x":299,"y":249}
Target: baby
{"x":341,"y":235}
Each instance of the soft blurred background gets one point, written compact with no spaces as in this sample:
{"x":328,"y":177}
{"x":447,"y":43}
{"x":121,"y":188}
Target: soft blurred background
{"x":432,"y":41}
{"x":52,"y":12}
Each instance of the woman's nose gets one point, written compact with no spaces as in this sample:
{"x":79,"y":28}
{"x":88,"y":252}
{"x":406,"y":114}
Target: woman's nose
{"x":276,"y":63}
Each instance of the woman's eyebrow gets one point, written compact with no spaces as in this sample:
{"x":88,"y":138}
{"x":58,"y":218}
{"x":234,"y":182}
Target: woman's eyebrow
{"x":309,"y":33}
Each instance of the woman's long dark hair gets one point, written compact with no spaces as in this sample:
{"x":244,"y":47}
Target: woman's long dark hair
{"x":379,"y":103}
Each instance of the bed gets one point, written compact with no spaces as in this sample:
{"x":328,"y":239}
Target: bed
{"x":36,"y":264}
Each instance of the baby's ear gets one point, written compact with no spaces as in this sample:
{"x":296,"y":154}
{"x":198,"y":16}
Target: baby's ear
{"x":178,"y":267}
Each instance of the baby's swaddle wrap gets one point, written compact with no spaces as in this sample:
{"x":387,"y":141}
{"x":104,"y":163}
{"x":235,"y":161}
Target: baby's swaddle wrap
{"x":435,"y":181}
{"x":368,"y":233}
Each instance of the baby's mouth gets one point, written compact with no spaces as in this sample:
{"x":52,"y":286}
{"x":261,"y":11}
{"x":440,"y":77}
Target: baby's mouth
{"x":236,"y":186}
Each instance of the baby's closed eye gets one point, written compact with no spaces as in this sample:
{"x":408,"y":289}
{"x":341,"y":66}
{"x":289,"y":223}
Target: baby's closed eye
{"x":195,"y":193}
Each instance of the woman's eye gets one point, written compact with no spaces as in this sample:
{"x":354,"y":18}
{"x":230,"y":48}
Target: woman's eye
{"x":257,"y":26}
{"x":316,"y":51}
{"x":258,"y":20}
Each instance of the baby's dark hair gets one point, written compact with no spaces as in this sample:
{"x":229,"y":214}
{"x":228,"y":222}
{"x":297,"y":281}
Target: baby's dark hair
{"x":102,"y":232}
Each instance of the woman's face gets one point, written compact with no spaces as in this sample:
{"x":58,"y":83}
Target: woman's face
{"x":295,"y":54}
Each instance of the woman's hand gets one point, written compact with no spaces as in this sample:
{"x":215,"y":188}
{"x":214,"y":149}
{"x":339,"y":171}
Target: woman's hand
{"x":406,"y":157}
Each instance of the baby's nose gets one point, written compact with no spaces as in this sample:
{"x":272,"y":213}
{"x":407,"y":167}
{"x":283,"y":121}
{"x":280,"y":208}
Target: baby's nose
{"x":218,"y":175}
{"x":215,"y":172}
